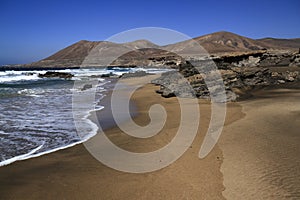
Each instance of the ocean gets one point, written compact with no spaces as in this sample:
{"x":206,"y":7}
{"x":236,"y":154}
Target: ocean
{"x":36,"y":114}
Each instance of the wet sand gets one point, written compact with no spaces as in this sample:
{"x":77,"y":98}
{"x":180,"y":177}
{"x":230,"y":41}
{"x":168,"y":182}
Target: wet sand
{"x":257,"y":157}
{"x":74,"y":174}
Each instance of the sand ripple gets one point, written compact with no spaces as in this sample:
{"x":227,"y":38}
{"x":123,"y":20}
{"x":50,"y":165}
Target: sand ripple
{"x":261,"y":151}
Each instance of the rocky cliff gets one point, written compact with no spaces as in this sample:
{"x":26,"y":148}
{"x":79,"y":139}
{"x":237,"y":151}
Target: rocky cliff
{"x":236,"y":75}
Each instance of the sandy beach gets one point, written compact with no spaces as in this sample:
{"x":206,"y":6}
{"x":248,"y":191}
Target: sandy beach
{"x":255,"y":158}
{"x":262,"y":149}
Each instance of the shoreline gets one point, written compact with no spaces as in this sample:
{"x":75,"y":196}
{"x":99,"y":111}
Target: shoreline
{"x":31,"y":154}
{"x":74,"y":173}
{"x":71,"y":171}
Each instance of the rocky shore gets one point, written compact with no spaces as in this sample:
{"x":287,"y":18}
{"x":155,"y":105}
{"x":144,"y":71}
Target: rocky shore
{"x":50,"y":74}
{"x":238,"y":74}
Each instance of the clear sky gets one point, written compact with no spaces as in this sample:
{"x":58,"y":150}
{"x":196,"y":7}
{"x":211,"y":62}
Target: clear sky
{"x":34,"y":29}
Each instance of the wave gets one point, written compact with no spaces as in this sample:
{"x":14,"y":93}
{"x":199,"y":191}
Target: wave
{"x":3,"y":133}
{"x":87,"y":128}
{"x":6,"y":79}
{"x":20,"y":157}
{"x":15,"y":76}
{"x":31,"y":92}
{"x":32,"y":154}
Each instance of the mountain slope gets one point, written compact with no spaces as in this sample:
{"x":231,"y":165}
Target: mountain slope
{"x":218,"y":42}
{"x":143,"y":52}
{"x":79,"y":49}
{"x":83,"y":52}
{"x":281,"y":43}
{"x":226,"y":41}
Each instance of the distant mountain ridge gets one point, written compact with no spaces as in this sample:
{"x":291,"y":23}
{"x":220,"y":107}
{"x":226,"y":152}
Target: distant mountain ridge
{"x":143,"y":52}
{"x":286,"y":43}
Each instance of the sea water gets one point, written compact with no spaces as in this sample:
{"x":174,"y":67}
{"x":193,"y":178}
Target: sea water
{"x":36,"y":115}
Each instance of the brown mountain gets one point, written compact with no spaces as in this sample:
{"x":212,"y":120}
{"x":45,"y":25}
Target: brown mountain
{"x":82,"y":52}
{"x":228,"y":42}
{"x":84,"y":47}
{"x":143,"y":52}
{"x":72,"y":55}
{"x":282,"y":43}
{"x":221,"y":42}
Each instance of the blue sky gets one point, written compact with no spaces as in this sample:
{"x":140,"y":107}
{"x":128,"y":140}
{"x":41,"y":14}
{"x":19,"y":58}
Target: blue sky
{"x":34,"y":29}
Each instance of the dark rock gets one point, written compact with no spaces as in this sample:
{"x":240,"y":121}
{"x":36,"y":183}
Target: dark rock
{"x":135,"y":74}
{"x":295,"y":60}
{"x":159,"y":91}
{"x":96,"y":76}
{"x":56,"y":75}
{"x":29,"y":73}
{"x":257,"y":58}
{"x":188,"y":82}
{"x":249,"y":59}
{"x":106,"y":75}
{"x":167,"y":93}
{"x":276,"y":59}
{"x":174,"y":84}
{"x":86,"y":87}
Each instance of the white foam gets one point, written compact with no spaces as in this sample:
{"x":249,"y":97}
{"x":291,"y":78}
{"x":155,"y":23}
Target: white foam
{"x":20,"y":157}
{"x":90,"y":127}
{"x":13,"y":76}
{"x":89,"y":130}
{"x":32,"y":155}
{"x":3,"y":133}
{"x":7,"y":79}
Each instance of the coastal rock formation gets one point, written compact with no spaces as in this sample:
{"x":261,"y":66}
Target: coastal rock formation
{"x":257,"y":58}
{"x":135,"y":74}
{"x":174,"y":84}
{"x":235,"y":81}
{"x":295,"y":60}
{"x":148,"y":57}
{"x":86,"y":87}
{"x":56,"y":75}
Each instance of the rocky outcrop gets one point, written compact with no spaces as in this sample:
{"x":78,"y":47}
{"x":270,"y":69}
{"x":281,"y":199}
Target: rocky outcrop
{"x":174,"y":84}
{"x":295,"y":60}
{"x":286,"y":76}
{"x":236,"y":82}
{"x":134,"y":74}
{"x":257,"y":58}
{"x":108,"y":75}
{"x":276,"y":59}
{"x":56,"y":75}
{"x":86,"y":87}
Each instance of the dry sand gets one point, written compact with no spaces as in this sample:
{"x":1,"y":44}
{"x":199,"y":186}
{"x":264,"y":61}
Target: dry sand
{"x":261,"y":151}
{"x":261,"y":158}
{"x":74,"y":174}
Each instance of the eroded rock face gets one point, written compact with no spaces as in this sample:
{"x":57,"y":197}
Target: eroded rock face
{"x":239,"y":73}
{"x":174,"y":84}
{"x":295,"y":61}
{"x":258,"y":58}
{"x":236,"y":81}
